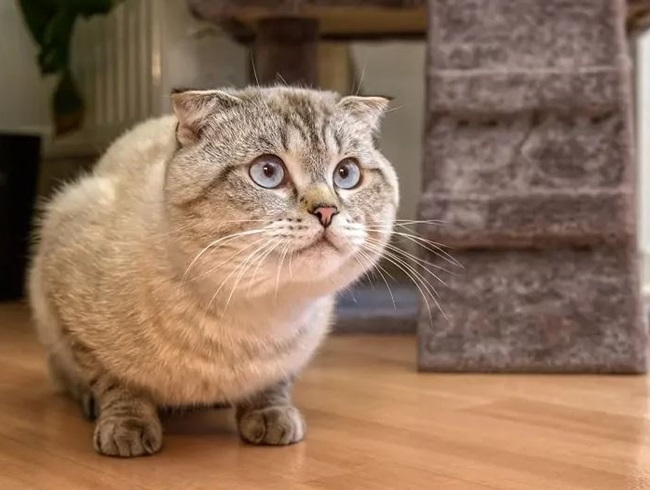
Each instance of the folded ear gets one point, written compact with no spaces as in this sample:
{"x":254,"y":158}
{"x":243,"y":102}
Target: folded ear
{"x":368,"y":109}
{"x":193,"y":109}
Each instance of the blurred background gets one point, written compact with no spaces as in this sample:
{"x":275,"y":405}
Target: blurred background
{"x":126,"y":63}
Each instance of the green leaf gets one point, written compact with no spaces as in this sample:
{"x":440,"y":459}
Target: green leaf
{"x":55,"y":48}
{"x":37,"y":15}
{"x":88,"y":8}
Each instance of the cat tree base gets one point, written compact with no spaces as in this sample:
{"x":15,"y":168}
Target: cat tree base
{"x":564,"y":310}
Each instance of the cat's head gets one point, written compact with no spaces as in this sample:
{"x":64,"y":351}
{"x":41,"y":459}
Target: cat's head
{"x":278,"y":186}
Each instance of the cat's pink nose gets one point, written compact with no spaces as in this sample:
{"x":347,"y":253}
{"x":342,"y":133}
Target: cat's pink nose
{"x":325,"y":214}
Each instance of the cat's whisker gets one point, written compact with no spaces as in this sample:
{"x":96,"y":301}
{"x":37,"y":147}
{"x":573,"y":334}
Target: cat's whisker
{"x":421,"y":262}
{"x":223,"y":283}
{"x":408,"y":223}
{"x":394,"y":108}
{"x":366,"y":270}
{"x":226,"y":261}
{"x":433,"y":247}
{"x":249,"y":261}
{"x":277,"y":281}
{"x":291,"y":265}
{"x":389,"y":254}
{"x":424,"y":263}
{"x":367,"y":266}
{"x":363,"y":74}
{"x":271,"y":247}
{"x":179,"y":229}
{"x":412,"y":273}
{"x":216,"y":242}
{"x":257,"y":82}
{"x":277,"y":74}
{"x":245,"y":221}
{"x":415,"y":282}
{"x":379,"y":269}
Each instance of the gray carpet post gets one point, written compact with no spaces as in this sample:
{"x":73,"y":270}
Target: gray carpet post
{"x":529,"y":159}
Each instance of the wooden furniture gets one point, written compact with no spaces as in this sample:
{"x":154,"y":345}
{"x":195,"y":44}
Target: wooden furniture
{"x":284,"y":33}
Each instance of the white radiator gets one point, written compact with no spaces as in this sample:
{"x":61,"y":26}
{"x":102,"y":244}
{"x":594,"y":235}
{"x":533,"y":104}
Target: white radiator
{"x":126,"y":64}
{"x":116,"y":61}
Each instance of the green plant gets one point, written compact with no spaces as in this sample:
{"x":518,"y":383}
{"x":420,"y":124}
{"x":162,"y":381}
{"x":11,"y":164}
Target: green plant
{"x":51,"y":24}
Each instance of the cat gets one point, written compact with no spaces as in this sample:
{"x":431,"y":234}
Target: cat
{"x":197,"y":264}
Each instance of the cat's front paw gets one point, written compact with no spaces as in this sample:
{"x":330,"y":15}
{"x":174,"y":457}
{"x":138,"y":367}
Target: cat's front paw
{"x":274,"y":426}
{"x":127,"y":437}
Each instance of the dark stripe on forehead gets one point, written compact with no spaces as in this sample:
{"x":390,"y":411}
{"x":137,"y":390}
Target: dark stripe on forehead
{"x":283,"y":133}
{"x":308,"y":117}
{"x":323,"y":133}
{"x":265,"y":142}
{"x":329,"y":134}
{"x":311,"y":118}
{"x":290,"y":122}
{"x":353,"y":144}
{"x":338,"y":139}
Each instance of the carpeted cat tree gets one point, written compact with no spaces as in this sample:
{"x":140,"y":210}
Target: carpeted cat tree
{"x":529,"y":160}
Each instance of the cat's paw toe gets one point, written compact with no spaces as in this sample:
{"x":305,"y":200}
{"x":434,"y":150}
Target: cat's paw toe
{"x":275,"y":426}
{"x":127,"y":437}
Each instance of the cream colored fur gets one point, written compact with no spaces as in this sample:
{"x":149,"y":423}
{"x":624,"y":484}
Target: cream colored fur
{"x":125,"y":283}
{"x":96,"y":262}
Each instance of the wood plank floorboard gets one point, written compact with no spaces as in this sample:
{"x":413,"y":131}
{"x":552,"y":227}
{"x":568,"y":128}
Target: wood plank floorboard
{"x":373,"y":423}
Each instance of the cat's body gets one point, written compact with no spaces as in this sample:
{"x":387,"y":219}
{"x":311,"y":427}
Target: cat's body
{"x":193,"y":356}
{"x":168,"y":277}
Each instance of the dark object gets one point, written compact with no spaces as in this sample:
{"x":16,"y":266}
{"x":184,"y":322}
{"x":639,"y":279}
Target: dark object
{"x":19,"y":160}
{"x":286,"y":51}
{"x":371,"y":308}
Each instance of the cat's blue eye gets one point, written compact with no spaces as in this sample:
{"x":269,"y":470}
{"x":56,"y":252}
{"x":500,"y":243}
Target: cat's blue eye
{"x":268,"y":171}
{"x":347,"y":174}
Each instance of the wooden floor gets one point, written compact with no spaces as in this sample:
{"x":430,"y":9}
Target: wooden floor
{"x":374,"y":423}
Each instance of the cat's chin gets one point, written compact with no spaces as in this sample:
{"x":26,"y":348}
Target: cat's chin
{"x":324,"y":262}
{"x":318,"y":248}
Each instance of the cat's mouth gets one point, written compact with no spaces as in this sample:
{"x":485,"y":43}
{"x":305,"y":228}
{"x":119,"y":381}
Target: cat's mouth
{"x":322,"y":241}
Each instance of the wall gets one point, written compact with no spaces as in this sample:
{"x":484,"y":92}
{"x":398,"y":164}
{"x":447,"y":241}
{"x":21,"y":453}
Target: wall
{"x":195,"y":55}
{"x":643,"y":135}
{"x":24,"y":95}
{"x":396,"y":69}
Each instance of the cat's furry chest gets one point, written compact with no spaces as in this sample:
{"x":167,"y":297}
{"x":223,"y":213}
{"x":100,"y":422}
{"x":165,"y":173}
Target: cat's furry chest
{"x":220,"y":361}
